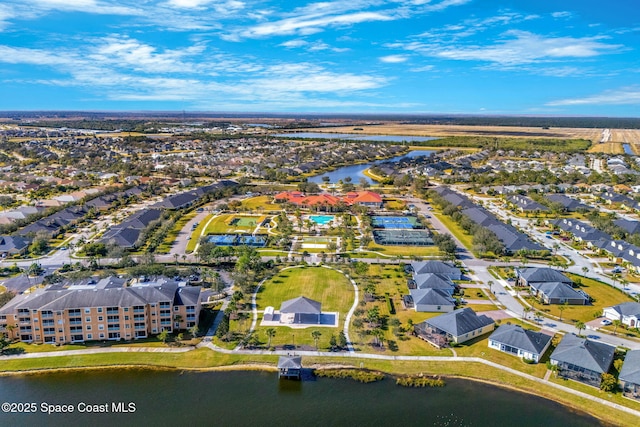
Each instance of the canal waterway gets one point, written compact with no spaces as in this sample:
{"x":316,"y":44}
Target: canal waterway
{"x":167,"y":398}
{"x":356,"y":172}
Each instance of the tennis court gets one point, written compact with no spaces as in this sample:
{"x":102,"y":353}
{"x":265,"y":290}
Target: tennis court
{"x":244,"y":221}
{"x":394,"y":222}
{"x":403,"y":237}
{"x":258,"y":240}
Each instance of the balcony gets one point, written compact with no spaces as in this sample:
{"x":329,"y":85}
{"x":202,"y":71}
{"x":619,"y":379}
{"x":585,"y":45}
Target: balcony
{"x":75,"y":322}
{"x":138,"y":310}
{"x":113,"y":312}
{"x":114,"y":328}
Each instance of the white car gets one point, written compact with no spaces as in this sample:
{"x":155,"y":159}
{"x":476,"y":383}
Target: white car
{"x":605,"y":322}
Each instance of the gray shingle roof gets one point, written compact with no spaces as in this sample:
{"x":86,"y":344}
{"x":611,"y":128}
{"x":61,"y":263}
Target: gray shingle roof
{"x":289,"y":362}
{"x":524,"y":339}
{"x":591,"y":355}
{"x":558,"y":290}
{"x":433,"y":281}
{"x":431,"y":297}
{"x":630,"y":371}
{"x":61,"y":299}
{"x":459,"y":322}
{"x":300,"y":305}
{"x":542,"y":274}
{"x":422,"y":267}
{"x":628,"y":309}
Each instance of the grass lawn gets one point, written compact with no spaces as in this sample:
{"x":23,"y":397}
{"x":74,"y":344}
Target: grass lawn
{"x":603,"y":294}
{"x":455,"y":229}
{"x":479,"y":347}
{"x":220,"y":225}
{"x":327,"y":286}
{"x":260,"y":203}
{"x":392,"y":280}
{"x":429,"y":251}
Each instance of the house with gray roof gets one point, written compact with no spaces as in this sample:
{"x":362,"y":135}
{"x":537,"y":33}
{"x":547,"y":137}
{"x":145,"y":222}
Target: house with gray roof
{"x":526,"y":204}
{"x":582,"y":360}
{"x":299,"y":310}
{"x":432,"y":300}
{"x":628,"y":313}
{"x":432,"y":281}
{"x":551,"y":286}
{"x":437,"y":267}
{"x":631,"y":227}
{"x":529,"y":275}
{"x":457,"y":326}
{"x":568,"y":203}
{"x":630,"y":374}
{"x":13,"y":245}
{"x":524,"y":343}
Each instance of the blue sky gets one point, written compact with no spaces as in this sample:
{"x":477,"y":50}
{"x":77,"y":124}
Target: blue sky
{"x":531,"y":57}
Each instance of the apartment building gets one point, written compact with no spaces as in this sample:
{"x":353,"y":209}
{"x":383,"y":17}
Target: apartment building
{"x":104,"y":310}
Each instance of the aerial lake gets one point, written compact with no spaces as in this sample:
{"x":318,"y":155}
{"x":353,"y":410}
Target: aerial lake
{"x":167,"y":398}
{"x":356,"y":172}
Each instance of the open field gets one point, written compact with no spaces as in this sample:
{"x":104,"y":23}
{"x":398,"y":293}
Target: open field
{"x":260,"y":203}
{"x":327,"y":286}
{"x":607,"y":148}
{"x":458,"y":130}
{"x":222,"y":224}
{"x":428,"y":251}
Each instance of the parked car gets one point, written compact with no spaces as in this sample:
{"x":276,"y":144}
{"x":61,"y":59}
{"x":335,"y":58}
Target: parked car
{"x":605,"y":322}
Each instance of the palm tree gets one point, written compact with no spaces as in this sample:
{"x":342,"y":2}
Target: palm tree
{"x":580,"y":326}
{"x":525,"y":310}
{"x":585,"y":270}
{"x":562,"y":307}
{"x":316,"y":336}
{"x":616,"y":323}
{"x":490,"y":283}
{"x":270,"y":334}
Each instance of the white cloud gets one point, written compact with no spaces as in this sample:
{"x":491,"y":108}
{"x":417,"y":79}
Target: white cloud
{"x":130,"y":53}
{"x":422,"y":69}
{"x":563,"y":14}
{"x":519,"y":47}
{"x":624,"y":96}
{"x":394,"y":59}
{"x":87,"y":6}
{"x":306,"y":25}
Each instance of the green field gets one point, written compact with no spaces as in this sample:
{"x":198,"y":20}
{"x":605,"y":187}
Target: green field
{"x":327,"y":286}
{"x":222,"y":224}
{"x":260,"y":203}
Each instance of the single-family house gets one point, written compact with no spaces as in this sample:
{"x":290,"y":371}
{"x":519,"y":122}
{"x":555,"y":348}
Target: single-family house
{"x":432,"y":300}
{"x":438,"y":267}
{"x":457,"y":326}
{"x":524,"y":343}
{"x":630,"y":374}
{"x":582,"y":360}
{"x":627,"y":312}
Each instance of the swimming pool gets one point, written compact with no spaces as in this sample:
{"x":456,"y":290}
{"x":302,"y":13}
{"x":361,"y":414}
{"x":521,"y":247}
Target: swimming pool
{"x":321,"y":219}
